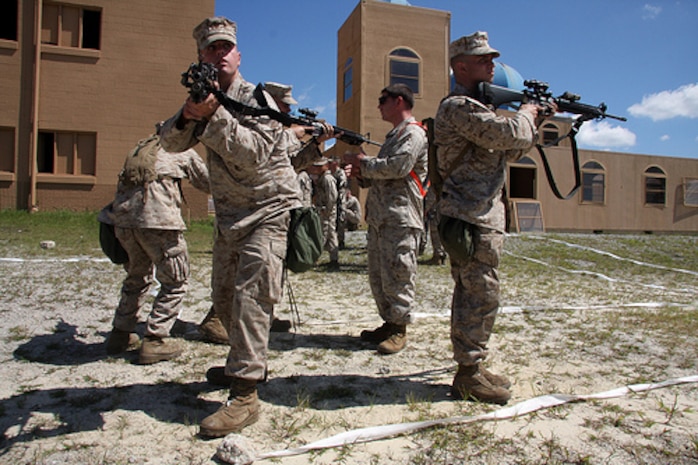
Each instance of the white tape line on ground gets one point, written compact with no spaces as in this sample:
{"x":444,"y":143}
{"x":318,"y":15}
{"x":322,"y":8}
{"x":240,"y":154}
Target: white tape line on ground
{"x":375,"y":433}
{"x":52,"y":260}
{"x":616,"y":257}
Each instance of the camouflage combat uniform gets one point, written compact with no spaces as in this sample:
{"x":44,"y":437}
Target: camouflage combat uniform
{"x":342,"y":182}
{"x":148,"y":223}
{"x":326,"y":204}
{"x":306,"y":186}
{"x":480,"y":143}
{"x":253,"y":186}
{"x":394,"y":213}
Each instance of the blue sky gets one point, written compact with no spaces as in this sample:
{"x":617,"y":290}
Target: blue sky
{"x":636,"y":56}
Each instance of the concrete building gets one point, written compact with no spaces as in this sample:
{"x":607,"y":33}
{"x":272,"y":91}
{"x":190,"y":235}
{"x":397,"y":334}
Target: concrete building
{"x":384,"y":42}
{"x":82,"y":81}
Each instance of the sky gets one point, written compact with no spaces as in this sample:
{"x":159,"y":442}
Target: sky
{"x":638,"y":57}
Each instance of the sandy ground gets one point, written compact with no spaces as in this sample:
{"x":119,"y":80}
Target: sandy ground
{"x":589,"y":324}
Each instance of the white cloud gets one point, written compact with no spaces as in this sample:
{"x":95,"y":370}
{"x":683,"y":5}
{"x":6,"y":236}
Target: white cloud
{"x":682,"y":102}
{"x":650,"y":11}
{"x":665,"y":137}
{"x":603,"y":134}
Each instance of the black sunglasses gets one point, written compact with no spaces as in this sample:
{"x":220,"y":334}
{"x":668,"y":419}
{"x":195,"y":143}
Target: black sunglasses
{"x":383,"y":98}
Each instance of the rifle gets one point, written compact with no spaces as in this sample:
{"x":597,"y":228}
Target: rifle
{"x":537,"y":93}
{"x":200,"y":79}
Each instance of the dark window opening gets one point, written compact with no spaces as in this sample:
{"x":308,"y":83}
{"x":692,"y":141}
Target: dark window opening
{"x":91,"y":27}
{"x":8,"y":20}
{"x":45,"y":152}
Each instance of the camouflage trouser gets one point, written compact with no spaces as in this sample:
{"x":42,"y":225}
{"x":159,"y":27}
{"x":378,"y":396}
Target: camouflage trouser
{"x":167,"y":251}
{"x":475,"y":298}
{"x":392,"y":270}
{"x":329,"y":231}
{"x":246,"y":283}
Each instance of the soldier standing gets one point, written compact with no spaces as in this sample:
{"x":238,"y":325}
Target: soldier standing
{"x":326,"y":204}
{"x":395,"y":215}
{"x":473,"y":146}
{"x":254,"y":187}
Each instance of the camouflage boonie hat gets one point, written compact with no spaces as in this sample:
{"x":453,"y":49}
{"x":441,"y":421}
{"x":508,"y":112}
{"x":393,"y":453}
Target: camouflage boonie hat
{"x":474,"y":44}
{"x":213,"y":29}
{"x":280,"y":92}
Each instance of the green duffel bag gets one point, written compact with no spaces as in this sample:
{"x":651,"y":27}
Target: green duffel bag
{"x":305,"y":239}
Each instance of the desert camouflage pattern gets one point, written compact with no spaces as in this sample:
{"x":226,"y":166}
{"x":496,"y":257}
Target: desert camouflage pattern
{"x":306,"y":187}
{"x":149,"y":225}
{"x":352,"y":212}
{"x":326,"y":204}
{"x":251,"y":175}
{"x":392,"y":270}
{"x":395,"y":215}
{"x":394,"y":197}
{"x":473,"y":192}
{"x":166,"y":250}
{"x":157,"y":204}
{"x":342,"y":183}
{"x":254,"y":186}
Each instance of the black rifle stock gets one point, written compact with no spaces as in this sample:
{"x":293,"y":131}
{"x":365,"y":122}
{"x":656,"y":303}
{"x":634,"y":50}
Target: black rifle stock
{"x":200,"y":79}
{"x":536,"y":92}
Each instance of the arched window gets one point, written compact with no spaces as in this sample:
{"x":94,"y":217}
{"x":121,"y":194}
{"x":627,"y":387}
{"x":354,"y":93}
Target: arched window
{"x":593,"y":183}
{"x":348,"y":79}
{"x":404,"y":68}
{"x":655,"y":186}
{"x":550,"y":133}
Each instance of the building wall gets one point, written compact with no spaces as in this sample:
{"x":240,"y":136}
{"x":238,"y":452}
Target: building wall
{"x":114,"y":95}
{"x":624,"y":208}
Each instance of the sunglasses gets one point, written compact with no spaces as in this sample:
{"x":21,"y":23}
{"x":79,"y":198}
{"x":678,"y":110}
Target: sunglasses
{"x":383,"y":98}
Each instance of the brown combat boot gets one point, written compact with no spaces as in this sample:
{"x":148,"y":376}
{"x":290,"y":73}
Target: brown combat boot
{"x":120,"y":341}
{"x":212,"y":329}
{"x":471,"y":384}
{"x":241,"y":410}
{"x":498,"y":380}
{"x":377,"y":335}
{"x":395,"y":342}
{"x":155,"y":349}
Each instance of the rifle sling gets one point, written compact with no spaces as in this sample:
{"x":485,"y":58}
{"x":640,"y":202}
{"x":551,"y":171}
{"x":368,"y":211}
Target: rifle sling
{"x":575,"y":161}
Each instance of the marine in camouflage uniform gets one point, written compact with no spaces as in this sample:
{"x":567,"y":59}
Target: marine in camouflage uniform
{"x":254,"y":187}
{"x":148,"y":222}
{"x":474,"y":145}
{"x":395,"y":215}
{"x":325,"y":200}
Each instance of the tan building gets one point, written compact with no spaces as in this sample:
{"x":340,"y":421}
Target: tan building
{"x":82,"y":81}
{"x":381,"y":43}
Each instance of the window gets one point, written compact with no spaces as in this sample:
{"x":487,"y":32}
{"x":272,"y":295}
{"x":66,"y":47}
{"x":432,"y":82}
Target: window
{"x":690,"y":192}
{"x":8,"y":19}
{"x":404,"y":68}
{"x":7,"y":150}
{"x":593,"y":183}
{"x":655,"y":186}
{"x":348,"y":80}
{"x":66,"y":153}
{"x":550,"y":134}
{"x":71,"y":26}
